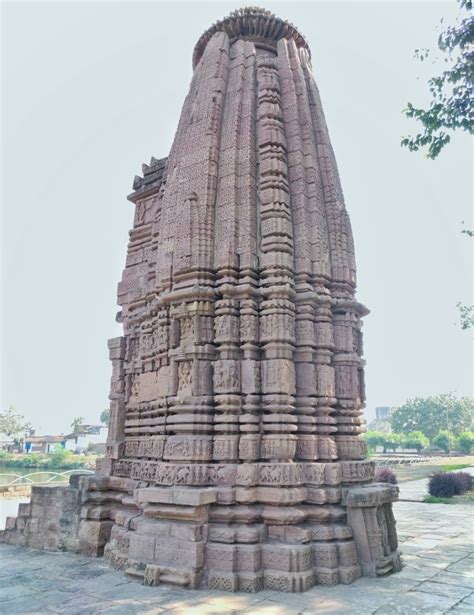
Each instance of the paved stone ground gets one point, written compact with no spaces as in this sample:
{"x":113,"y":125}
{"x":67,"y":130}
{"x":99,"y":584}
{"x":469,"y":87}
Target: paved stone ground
{"x":438,"y":577}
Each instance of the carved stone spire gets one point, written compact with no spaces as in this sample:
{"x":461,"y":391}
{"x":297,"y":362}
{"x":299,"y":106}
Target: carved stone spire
{"x":235,"y":441}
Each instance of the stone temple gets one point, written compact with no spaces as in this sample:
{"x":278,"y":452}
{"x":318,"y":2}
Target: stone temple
{"x":235,"y":459}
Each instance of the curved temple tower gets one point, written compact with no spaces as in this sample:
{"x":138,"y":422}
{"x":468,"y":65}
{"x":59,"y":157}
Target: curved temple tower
{"x":234,"y":456}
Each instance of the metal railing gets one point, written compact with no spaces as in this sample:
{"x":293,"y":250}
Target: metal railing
{"x":26,"y":479}
{"x":404,"y":461}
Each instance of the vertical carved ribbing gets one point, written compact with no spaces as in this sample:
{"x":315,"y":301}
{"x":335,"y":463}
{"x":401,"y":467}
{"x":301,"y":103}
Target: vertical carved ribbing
{"x":346,"y":363}
{"x":312,"y":262}
{"x":192,"y":169}
{"x":190,"y":201}
{"x":247,"y":172}
{"x":277,"y":310}
{"x":320,"y":266}
{"x":227,"y":367}
{"x":169,"y":197}
{"x":248,"y":237}
{"x":340,"y":234}
{"x":226,"y":260}
{"x":308,"y":179}
{"x":305,"y":369}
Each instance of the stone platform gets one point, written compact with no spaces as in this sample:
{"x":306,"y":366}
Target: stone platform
{"x":438,"y":578}
{"x":237,"y":537}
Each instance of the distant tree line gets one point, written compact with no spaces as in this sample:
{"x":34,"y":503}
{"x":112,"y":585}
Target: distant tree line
{"x":440,"y":422}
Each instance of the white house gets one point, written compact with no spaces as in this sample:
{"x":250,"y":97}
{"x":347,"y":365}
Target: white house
{"x":43,"y":444}
{"x":87,"y":437}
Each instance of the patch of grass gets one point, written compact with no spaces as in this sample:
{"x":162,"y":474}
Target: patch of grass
{"x":432,"y":499}
{"x":455,"y":466}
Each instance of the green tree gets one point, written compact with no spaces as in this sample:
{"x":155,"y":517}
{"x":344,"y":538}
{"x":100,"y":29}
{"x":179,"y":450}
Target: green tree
{"x":452,"y":104}
{"x":12,"y":423}
{"x":105,"y":416}
{"x":466,"y":315}
{"x":445,"y":440}
{"x":374,"y":439}
{"x":416,"y":440}
{"x":466,"y":312}
{"x":466,"y":442}
{"x":391,"y":441}
{"x":433,"y":414}
{"x":77,"y":423}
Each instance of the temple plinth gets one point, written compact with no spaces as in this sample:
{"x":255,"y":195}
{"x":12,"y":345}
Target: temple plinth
{"x":235,"y":458}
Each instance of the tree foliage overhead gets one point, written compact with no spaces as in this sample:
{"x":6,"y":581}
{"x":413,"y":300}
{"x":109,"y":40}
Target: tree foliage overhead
{"x":105,"y":417}
{"x":466,"y":315}
{"x":77,"y":424}
{"x":431,"y":415}
{"x":451,"y":107}
{"x":466,"y":312}
{"x":12,"y":423}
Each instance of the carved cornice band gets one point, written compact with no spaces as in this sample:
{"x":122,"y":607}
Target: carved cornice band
{"x":253,"y":23}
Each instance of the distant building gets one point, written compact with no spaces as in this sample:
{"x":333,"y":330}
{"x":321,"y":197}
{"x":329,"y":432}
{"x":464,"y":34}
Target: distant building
{"x":382,"y":412}
{"x":86,"y":438}
{"x":7,"y":443}
{"x":43,"y":444}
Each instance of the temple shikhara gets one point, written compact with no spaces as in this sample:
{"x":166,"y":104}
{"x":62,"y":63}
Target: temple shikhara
{"x":235,"y":458}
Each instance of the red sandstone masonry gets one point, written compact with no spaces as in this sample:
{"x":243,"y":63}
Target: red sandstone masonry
{"x":235,"y":458}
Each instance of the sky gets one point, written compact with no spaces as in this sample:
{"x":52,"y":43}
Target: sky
{"x":92,"y":90}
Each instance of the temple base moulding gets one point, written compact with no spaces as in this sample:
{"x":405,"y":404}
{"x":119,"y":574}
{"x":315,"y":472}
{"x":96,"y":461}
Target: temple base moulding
{"x":285,"y":538}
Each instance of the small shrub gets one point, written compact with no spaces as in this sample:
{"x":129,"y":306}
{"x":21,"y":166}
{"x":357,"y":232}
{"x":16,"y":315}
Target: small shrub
{"x":463,"y":481}
{"x":385,"y":475}
{"x":443,"y":485}
{"x":57,"y":458}
{"x":29,"y":461}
